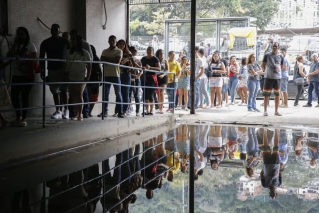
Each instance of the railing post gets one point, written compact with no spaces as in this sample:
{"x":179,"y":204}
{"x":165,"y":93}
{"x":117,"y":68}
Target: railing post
{"x":44,"y":198}
{"x":144,"y":81}
{"x":103,"y":92}
{"x":43,"y":99}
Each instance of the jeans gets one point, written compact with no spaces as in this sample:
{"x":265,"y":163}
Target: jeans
{"x":171,"y":94}
{"x":232,"y":85}
{"x":312,"y":85}
{"x":253,"y":86}
{"x":252,"y":145}
{"x":136,"y":92}
{"x":125,"y":91}
{"x":117,"y":176}
{"x":300,"y":90}
{"x":117,"y":89}
{"x":24,"y":90}
{"x":197,"y":83}
{"x":86,"y":107}
{"x":203,"y":91}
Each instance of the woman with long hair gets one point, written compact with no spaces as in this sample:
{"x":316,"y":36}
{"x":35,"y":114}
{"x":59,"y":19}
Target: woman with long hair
{"x":242,"y":84}
{"x":77,"y":71}
{"x":216,"y":82}
{"x":183,"y":84}
{"x":96,"y":75}
{"x":299,"y":75}
{"x":21,"y":74}
{"x":150,"y":63}
{"x":162,"y":79}
{"x":125,"y":75}
{"x":254,"y":70}
{"x":233,"y":78}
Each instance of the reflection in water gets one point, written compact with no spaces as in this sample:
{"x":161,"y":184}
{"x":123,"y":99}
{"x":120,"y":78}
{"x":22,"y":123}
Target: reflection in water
{"x":236,"y":169}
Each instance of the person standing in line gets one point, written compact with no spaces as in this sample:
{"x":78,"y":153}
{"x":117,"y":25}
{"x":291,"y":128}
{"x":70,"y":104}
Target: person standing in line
{"x":154,"y":43}
{"x":161,"y":78}
{"x":55,"y":47}
{"x":96,"y":75}
{"x":299,"y":75}
{"x":203,"y":93}
{"x":125,"y":75}
{"x":183,"y":84}
{"x":174,"y":67}
{"x":284,"y":80}
{"x":66,"y":35}
{"x":268,"y":47}
{"x":272,"y":64}
{"x":199,"y":71}
{"x":254,"y":71}
{"x":242,"y":84}
{"x":85,"y":46}
{"x":313,"y":80}
{"x":136,"y":81}
{"x":233,"y":78}
{"x":21,"y":48}
{"x":80,"y":71}
{"x":112,"y":75}
{"x":150,"y":62}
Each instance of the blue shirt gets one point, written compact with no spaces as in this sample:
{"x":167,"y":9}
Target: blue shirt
{"x":283,"y":147}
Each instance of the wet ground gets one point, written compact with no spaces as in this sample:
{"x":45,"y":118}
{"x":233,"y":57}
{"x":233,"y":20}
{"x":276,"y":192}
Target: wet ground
{"x":236,"y":169}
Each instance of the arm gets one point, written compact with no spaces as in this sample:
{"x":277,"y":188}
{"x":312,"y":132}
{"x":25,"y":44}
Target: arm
{"x":88,"y":75}
{"x":201,"y":156}
{"x":200,"y":73}
{"x":300,"y":66}
{"x":283,"y":65}
{"x":222,"y":69}
{"x":42,"y":54}
{"x":115,"y":60}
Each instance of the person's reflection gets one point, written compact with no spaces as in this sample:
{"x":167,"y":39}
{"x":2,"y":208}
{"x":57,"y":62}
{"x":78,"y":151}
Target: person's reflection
{"x":313,"y":148}
{"x":215,"y":145}
{"x":182,"y":141}
{"x":233,"y":142}
{"x":152,"y":166}
{"x":242,"y":139}
{"x":201,"y":134}
{"x":251,"y":160}
{"x":297,"y":137}
{"x":270,"y":174}
{"x":172,"y":159}
{"x":283,"y":150}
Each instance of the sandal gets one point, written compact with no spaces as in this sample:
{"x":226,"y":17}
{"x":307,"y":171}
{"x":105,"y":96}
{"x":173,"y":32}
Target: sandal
{"x":265,"y":113}
{"x":74,"y":118}
{"x":150,"y":113}
{"x":278,"y":114}
{"x":80,"y":119}
{"x":219,"y":106}
{"x":22,"y":124}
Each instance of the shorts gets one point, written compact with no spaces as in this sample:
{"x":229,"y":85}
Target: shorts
{"x":216,"y":82}
{"x":224,"y":88}
{"x":55,"y":76}
{"x":271,"y":84}
{"x":162,"y":81}
{"x":284,"y":85}
{"x":215,"y":141}
{"x":93,"y":90}
{"x":184,"y":83}
{"x":76,"y":89}
{"x":270,"y":157}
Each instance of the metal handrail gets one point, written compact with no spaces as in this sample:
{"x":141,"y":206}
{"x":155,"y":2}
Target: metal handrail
{"x":44,"y":106}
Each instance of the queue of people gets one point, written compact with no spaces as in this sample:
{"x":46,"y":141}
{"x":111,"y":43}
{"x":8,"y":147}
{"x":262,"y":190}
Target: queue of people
{"x":215,"y":77}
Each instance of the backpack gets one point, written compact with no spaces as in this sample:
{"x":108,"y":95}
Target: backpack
{"x":208,"y":72}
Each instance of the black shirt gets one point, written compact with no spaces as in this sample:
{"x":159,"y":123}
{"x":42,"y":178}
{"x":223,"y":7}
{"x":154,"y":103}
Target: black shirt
{"x":151,"y":62}
{"x":55,"y":48}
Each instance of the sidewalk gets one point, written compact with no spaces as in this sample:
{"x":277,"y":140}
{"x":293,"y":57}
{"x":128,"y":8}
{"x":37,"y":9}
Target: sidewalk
{"x":235,"y":114}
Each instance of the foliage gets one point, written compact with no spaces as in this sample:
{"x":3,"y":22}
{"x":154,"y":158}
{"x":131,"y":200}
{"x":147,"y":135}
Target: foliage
{"x":149,"y":19}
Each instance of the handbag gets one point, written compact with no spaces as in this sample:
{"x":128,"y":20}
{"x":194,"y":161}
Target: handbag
{"x":4,"y":95}
{"x":299,"y":81}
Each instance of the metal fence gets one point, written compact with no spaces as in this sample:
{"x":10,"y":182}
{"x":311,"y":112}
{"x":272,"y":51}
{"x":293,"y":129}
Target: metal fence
{"x":45,"y":106}
{"x":136,"y":2}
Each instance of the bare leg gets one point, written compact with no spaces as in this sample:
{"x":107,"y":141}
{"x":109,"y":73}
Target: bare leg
{"x":219,"y":95}
{"x":146,"y":106}
{"x":64,"y":99}
{"x":185,"y":97}
{"x":245,"y":90}
{"x":276,"y":103}
{"x":180,"y":97}
{"x":56,"y":99}
{"x":265,"y":140}
{"x":266,"y":100}
{"x":151,"y":106}
{"x":276,"y":139}
{"x":212,"y":95}
{"x":91,"y":108}
{"x":240,"y":92}
{"x":285,"y":98}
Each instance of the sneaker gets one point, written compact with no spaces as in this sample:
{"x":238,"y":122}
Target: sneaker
{"x":120,"y":115}
{"x":251,"y":110}
{"x":307,"y":105}
{"x":138,"y":114}
{"x":178,"y":108}
{"x":257,"y":110}
{"x":85,"y":115}
{"x":317,"y":105}
{"x":66,"y":114}
{"x":114,"y":115}
{"x":57,"y":115}
{"x":186,"y":109}
{"x":100,"y":115}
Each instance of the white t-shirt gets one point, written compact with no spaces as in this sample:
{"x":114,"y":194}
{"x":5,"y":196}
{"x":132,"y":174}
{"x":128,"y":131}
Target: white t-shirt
{"x":21,"y":70}
{"x":199,"y":63}
{"x":77,"y":70}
